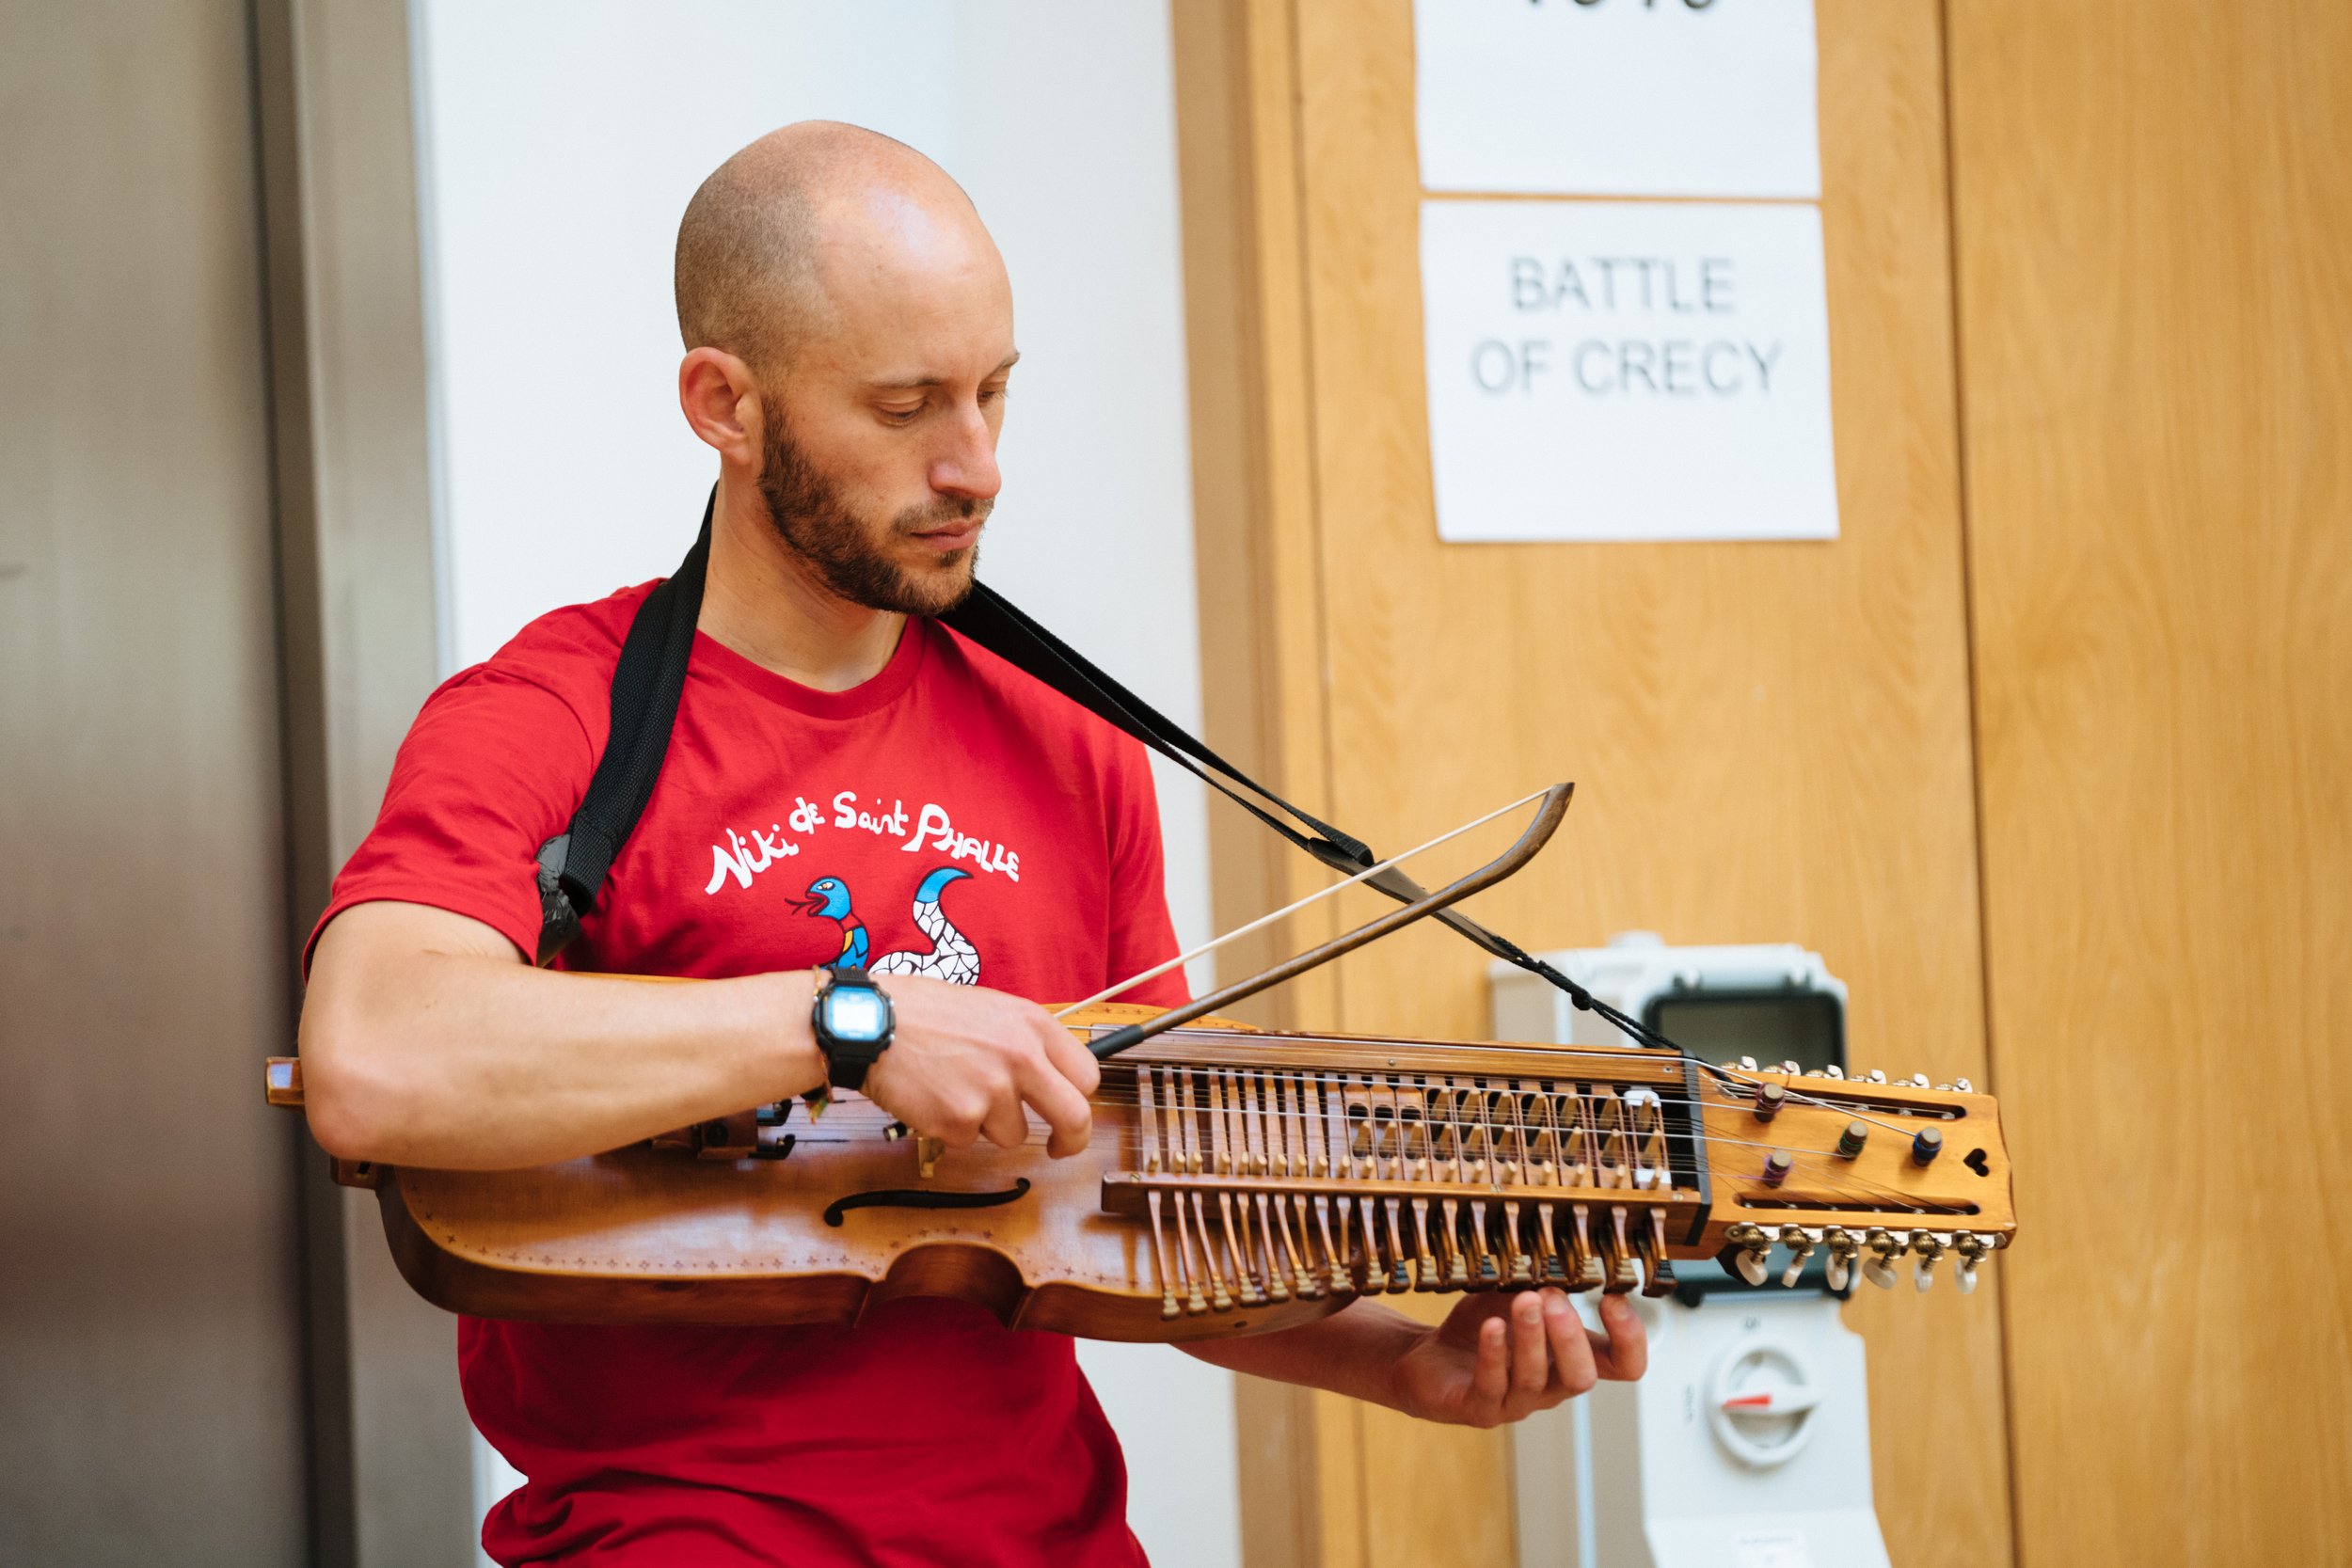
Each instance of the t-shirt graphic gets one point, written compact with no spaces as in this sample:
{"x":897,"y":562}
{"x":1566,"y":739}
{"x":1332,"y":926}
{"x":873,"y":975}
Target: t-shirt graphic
{"x":950,"y":819}
{"x":952,"y":956}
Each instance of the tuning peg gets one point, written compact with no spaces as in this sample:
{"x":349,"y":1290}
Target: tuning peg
{"x":1841,"y":1252}
{"x":1943,"y":1088}
{"x":1833,"y":1070}
{"x":1929,"y":1246}
{"x":1963,"y":1086}
{"x":1800,"y":1243}
{"x":1754,"y":1245}
{"x":1790,"y":1067}
{"x":1918,"y":1080}
{"x":1877,"y":1075}
{"x":1972,"y":1250}
{"x":1878,"y":1267}
{"x":1747,"y":1064}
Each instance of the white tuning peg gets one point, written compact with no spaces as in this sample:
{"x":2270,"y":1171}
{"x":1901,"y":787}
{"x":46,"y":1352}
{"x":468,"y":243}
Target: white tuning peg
{"x":1751,"y":1267}
{"x":1833,"y":1070}
{"x":1840,"y":1268}
{"x":1930,"y":1247}
{"x":1963,"y":1086}
{"x":1972,"y":1251}
{"x":1801,"y":1245}
{"x":1747,"y":1064}
{"x":1879,"y":1266}
{"x":1918,"y":1080}
{"x":1877,"y":1075}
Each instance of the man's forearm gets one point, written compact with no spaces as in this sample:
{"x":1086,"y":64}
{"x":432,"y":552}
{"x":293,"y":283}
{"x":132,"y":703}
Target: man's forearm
{"x":456,"y":1057}
{"x":1352,"y":1352}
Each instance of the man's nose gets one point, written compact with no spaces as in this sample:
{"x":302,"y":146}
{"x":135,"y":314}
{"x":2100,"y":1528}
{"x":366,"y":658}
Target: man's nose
{"x":967,"y":465}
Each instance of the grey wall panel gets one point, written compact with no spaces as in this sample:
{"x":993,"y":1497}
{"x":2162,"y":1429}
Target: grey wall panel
{"x":149,"y":1397}
{"x":390,"y":1446}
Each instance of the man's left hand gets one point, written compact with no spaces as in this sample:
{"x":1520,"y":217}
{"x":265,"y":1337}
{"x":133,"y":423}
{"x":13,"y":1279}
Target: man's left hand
{"x":1497,"y":1358}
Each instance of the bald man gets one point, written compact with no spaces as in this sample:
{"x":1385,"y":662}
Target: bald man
{"x":851,"y":793}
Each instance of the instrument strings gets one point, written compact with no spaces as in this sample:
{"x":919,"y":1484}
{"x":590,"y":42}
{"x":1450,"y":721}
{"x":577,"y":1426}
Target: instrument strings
{"x":1121,"y":1096}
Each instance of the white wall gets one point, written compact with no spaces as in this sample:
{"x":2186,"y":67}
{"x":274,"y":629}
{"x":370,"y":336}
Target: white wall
{"x":560,"y":142}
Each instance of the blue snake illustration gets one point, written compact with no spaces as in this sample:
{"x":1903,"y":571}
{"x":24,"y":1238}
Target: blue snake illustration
{"x":952,"y":957}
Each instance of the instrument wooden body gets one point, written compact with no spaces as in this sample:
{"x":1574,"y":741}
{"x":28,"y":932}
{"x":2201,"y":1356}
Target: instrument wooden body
{"x":1232,"y":1198}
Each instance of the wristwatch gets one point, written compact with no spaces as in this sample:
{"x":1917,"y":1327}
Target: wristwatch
{"x":852,"y":1021}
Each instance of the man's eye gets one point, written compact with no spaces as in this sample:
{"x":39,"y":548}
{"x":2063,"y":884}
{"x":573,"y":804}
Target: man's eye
{"x":901,"y":415}
{"x":994,"y":394}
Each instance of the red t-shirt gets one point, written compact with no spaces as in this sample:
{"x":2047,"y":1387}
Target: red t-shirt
{"x":950,"y":815}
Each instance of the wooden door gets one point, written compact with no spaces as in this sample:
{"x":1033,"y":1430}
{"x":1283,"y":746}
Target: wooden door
{"x":2154,"y":261}
{"x":1771,"y":741}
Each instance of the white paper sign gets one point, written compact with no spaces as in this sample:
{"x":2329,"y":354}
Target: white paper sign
{"x":1627,"y":371}
{"x":1617,"y":97}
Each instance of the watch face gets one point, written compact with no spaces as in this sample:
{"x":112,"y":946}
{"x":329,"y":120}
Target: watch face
{"x":854,"y":1013}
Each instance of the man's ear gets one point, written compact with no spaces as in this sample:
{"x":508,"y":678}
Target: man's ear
{"x":721,"y":400}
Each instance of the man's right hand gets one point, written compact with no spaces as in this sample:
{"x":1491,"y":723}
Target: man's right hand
{"x":963,"y":1063}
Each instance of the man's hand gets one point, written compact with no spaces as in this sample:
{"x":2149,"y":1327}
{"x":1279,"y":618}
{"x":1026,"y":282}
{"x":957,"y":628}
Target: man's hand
{"x":1498,"y":1358}
{"x":962,"y":1061}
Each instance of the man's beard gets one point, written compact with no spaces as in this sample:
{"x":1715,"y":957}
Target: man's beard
{"x":810,"y":516}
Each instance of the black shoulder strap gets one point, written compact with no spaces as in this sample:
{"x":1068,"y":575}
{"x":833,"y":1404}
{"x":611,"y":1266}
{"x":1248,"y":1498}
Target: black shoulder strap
{"x":646,"y":689}
{"x":652,"y":673}
{"x":994,"y":622}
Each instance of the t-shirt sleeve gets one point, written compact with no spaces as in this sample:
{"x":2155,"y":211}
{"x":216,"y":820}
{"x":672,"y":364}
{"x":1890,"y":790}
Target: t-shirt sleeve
{"x":1141,"y":933}
{"x":493,"y":767}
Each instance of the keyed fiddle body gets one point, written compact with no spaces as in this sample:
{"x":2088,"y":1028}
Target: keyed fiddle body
{"x":1236,"y":1182}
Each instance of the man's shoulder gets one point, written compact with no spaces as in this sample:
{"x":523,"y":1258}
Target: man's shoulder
{"x":570,"y":651}
{"x":575,"y":638}
{"x":1053,"y":719}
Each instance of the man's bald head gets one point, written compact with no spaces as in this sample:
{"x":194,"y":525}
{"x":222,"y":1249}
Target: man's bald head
{"x":772,"y":236}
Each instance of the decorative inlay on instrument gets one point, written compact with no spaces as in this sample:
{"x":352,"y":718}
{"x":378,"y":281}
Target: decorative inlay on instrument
{"x":1237,"y":1182}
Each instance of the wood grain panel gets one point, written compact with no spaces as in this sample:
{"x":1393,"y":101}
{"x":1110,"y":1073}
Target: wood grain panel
{"x":1255,"y":530}
{"x":1772,"y":738}
{"x":2153,"y":220}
